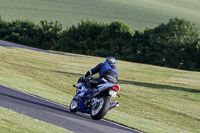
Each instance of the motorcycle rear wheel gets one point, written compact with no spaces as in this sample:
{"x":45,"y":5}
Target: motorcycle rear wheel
{"x":100,"y":110}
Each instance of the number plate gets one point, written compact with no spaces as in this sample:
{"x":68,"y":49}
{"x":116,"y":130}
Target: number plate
{"x":112,"y":93}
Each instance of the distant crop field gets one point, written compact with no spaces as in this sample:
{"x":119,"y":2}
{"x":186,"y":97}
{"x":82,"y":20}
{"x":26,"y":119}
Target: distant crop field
{"x":138,"y":14}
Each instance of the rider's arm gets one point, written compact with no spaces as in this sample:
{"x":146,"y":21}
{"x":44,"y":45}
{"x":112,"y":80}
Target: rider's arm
{"x":94,"y":70}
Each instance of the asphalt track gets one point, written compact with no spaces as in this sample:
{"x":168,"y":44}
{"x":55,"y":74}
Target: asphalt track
{"x":10,"y":44}
{"x":56,"y":114}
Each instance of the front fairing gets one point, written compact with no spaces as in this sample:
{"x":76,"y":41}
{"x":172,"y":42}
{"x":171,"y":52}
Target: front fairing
{"x":82,"y":108}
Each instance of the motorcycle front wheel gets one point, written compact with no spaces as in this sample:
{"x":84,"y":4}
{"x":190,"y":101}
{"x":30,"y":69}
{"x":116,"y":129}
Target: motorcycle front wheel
{"x":100,"y":108}
{"x":73,"y":105}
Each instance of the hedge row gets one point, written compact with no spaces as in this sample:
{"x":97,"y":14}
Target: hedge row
{"x":175,"y":44}
{"x":45,"y":35}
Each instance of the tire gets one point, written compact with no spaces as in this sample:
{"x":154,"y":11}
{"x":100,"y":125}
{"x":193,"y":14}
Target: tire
{"x":73,"y":106}
{"x":97,"y":115}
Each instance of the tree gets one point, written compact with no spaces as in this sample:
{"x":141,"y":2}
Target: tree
{"x":172,"y":45}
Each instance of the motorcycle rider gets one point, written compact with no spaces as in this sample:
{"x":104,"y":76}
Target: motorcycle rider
{"x":107,"y":73}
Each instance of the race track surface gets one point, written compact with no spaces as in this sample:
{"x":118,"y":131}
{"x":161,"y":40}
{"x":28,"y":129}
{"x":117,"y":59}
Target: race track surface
{"x":50,"y":112}
{"x":10,"y":44}
{"x":56,"y":114}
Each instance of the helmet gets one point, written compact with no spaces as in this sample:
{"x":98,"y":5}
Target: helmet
{"x":110,"y":60}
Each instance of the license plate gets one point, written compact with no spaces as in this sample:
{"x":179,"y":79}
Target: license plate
{"x":112,"y":93}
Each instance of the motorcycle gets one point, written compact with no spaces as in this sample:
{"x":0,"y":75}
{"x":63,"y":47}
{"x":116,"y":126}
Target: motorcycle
{"x":96,"y":101}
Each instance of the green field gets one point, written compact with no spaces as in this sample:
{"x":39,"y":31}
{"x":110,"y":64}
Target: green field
{"x":139,"y":14}
{"x":11,"y":122}
{"x":153,"y":99}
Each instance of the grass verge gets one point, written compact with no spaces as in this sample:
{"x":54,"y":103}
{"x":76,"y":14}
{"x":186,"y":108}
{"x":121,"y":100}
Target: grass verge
{"x":153,"y":99}
{"x":12,"y":122}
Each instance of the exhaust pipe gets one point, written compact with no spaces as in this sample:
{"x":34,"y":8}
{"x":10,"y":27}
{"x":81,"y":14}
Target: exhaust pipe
{"x":113,"y":105}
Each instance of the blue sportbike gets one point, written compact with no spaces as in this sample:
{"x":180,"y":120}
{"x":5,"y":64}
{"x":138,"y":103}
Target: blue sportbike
{"x":95,"y":101}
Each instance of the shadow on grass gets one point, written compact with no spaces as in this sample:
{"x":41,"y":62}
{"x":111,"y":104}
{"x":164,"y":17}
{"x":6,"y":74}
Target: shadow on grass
{"x":158,"y":86}
{"x":142,"y":84}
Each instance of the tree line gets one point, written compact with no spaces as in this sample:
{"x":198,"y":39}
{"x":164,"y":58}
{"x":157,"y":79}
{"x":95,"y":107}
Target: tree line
{"x":175,"y":44}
